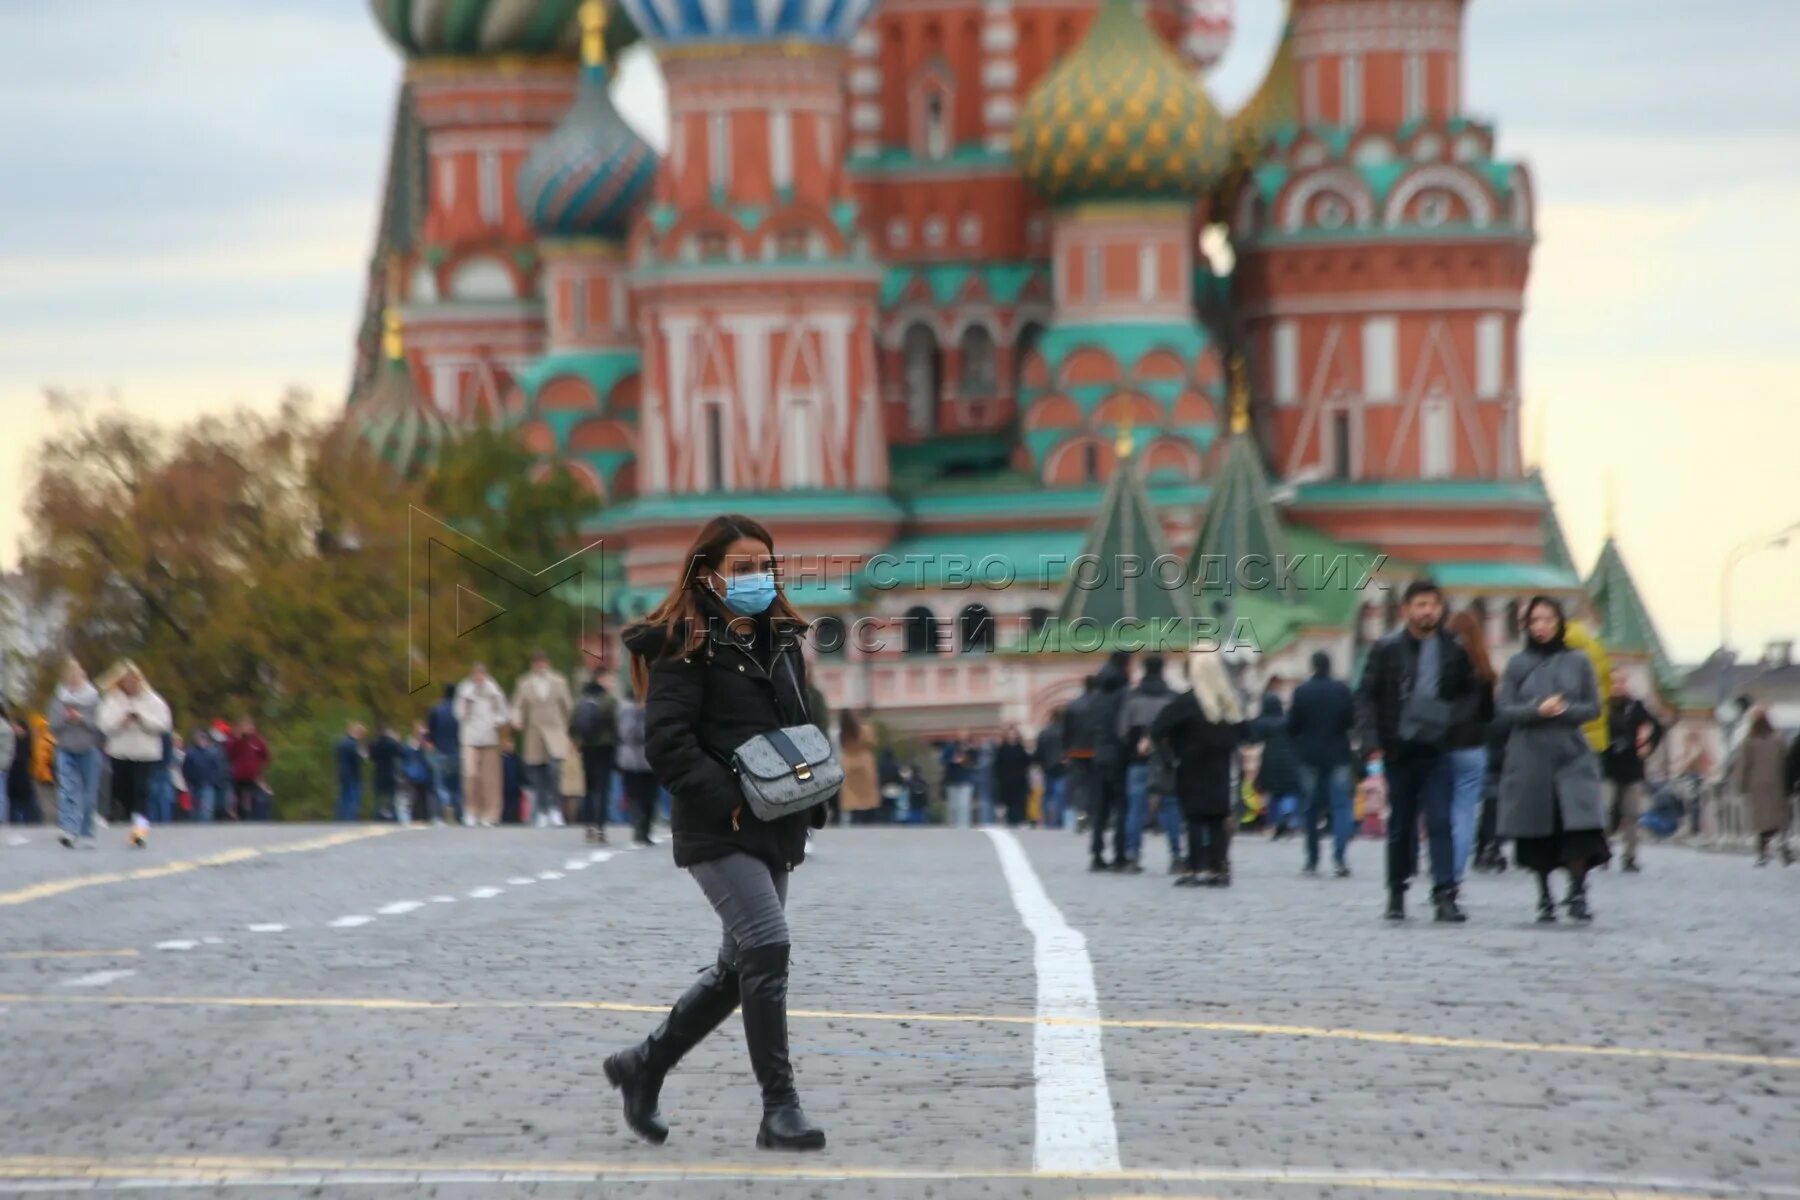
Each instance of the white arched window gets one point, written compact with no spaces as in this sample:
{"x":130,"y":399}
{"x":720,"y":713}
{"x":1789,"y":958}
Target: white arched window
{"x":481,"y":279}
{"x":924,"y":377}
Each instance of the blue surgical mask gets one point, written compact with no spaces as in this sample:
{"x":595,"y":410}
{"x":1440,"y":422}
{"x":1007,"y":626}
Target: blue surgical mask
{"x":748,"y":595}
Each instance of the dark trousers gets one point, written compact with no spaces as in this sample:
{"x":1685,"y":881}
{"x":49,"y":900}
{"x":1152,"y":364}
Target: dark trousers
{"x":640,"y":797}
{"x":1487,"y":839}
{"x":596,"y":774}
{"x":1209,"y":844}
{"x":1419,"y":785}
{"x":1109,"y":809}
{"x":131,"y":786}
{"x":1081,"y":785}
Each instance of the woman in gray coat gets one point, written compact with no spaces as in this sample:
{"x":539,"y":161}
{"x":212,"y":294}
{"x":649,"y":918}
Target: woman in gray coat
{"x":1760,"y":777}
{"x":1550,"y":785}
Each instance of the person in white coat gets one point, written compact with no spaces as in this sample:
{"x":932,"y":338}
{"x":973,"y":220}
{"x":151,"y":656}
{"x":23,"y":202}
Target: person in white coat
{"x":134,"y":719}
{"x":481,"y":713}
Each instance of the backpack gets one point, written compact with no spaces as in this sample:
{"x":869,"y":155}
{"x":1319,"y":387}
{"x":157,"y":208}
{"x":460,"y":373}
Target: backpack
{"x":595,"y":722}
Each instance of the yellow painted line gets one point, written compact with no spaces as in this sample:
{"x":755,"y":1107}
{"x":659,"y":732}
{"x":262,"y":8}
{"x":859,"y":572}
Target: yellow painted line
{"x":1377,"y":1037}
{"x":201,"y":1170}
{"x":18,"y":955}
{"x":59,"y":887}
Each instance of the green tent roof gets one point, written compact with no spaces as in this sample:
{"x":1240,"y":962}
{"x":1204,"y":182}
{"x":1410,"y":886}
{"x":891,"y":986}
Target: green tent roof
{"x":1625,"y":622}
{"x":1117,"y":579}
{"x":1242,"y":531}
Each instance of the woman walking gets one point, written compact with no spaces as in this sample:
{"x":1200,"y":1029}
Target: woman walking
{"x":135,"y":720}
{"x":1550,"y":784}
{"x":1201,"y":730}
{"x":719,"y":663}
{"x":1471,"y":719}
{"x":861,"y":798}
{"x":1760,"y":776}
{"x":1012,"y":776}
{"x":76,"y":733}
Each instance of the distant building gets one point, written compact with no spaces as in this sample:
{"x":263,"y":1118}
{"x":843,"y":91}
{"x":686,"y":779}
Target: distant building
{"x":920,"y":286}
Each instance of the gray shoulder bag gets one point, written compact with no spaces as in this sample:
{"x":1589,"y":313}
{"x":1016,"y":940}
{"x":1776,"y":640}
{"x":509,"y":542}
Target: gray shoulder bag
{"x":787,"y":771}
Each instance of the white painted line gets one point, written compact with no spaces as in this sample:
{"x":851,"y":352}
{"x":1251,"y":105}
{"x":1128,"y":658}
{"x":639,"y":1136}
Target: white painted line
{"x":548,"y":875}
{"x":520,"y":880}
{"x":1075,"y":1130}
{"x":98,"y":978}
{"x":600,"y":856}
{"x":350,"y":922}
{"x":399,"y":907}
{"x":179,"y":944}
{"x":576,"y":864}
{"x":485,"y":893}
{"x":268,"y":928}
{"x":443,"y":899}
{"x":16,"y":840}
{"x":214,"y":941}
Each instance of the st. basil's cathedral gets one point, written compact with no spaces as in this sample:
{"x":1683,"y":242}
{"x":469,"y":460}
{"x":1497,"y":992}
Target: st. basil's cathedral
{"x":977,"y":302}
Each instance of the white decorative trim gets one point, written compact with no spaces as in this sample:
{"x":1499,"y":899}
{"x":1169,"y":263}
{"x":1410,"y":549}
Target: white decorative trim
{"x":865,"y":117}
{"x":999,"y":37}
{"x":1452,"y":179}
{"x":1000,"y":110}
{"x":1341,"y":180}
{"x":1524,"y":199}
{"x":865,"y":79}
{"x":866,"y":43}
{"x":999,"y":73}
{"x":1413,"y":302}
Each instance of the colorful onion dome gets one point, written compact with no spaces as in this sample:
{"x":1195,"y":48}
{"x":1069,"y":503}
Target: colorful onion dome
{"x":587,"y":176}
{"x":393,"y":418}
{"x":438,"y":28}
{"x":1120,"y":117}
{"x":674,"y":23}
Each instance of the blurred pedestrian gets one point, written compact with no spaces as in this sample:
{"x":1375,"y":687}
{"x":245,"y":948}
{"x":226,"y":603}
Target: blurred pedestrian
{"x":1080,"y":732}
{"x":1011,"y":776}
{"x":74,"y":709}
{"x":958,"y":759}
{"x":249,"y":757}
{"x":9,"y":749}
{"x":1550,"y":782}
{"x":1760,"y":777}
{"x":636,"y":777}
{"x":418,"y":795}
{"x":21,"y":789}
{"x":512,"y":781}
{"x":385,"y":753}
{"x":1632,"y":735}
{"x":445,"y":755}
{"x":1139,"y":711}
{"x":207,"y":773}
{"x":43,"y":767}
{"x":541,"y":708}
{"x":860,"y":800}
{"x":135,"y":721}
{"x":595,"y":731}
{"x":1278,"y":769}
{"x":1319,"y":723}
{"x":1471,"y":725}
{"x":1052,"y":763}
{"x":1201,"y":729}
{"x":481,"y":713}
{"x":350,"y":755}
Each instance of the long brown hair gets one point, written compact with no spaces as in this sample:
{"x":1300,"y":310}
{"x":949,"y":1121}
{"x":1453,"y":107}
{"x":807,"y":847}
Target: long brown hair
{"x":682,"y":604}
{"x":1467,"y":628}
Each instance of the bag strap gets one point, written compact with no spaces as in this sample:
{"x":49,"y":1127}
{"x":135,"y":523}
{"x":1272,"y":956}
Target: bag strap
{"x":790,"y":753}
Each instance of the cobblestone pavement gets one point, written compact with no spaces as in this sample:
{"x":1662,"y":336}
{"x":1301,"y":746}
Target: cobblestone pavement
{"x":363,"y":1012}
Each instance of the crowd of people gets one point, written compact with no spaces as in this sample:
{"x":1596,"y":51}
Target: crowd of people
{"x":1433,"y":750}
{"x":114,"y":739}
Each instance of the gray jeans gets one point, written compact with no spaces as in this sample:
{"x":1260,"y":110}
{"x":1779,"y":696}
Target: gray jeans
{"x":750,"y":898}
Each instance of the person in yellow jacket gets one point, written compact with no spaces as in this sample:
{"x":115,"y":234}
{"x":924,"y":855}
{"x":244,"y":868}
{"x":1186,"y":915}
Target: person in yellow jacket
{"x":1579,"y":637}
{"x":43,"y":762}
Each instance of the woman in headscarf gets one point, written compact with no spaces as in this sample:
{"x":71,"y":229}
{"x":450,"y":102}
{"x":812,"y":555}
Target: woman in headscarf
{"x":1550,"y":784}
{"x":1201,"y":730}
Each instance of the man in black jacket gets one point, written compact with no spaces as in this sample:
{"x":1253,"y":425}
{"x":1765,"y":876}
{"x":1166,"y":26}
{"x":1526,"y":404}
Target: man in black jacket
{"x":1632,"y":735}
{"x":1139,"y":711}
{"x":1319,"y":723}
{"x":1079,"y":733}
{"x":1413,"y":678}
{"x":1099,"y":731}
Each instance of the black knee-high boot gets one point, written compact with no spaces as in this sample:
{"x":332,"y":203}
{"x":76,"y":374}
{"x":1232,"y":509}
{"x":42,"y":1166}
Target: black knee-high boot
{"x":1578,"y":905}
{"x":764,"y":979}
{"x":638,"y":1073}
{"x":1546,"y":903}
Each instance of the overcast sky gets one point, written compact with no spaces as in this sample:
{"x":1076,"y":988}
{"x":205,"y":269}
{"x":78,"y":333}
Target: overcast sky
{"x":190,"y":189}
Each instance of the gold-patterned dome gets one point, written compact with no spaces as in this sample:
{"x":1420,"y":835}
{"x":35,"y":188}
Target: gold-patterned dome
{"x":1121,"y":117}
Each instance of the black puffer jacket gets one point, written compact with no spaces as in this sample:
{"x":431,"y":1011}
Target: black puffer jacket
{"x":702,"y":706}
{"x":1279,"y":774}
{"x":1202,"y":750}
